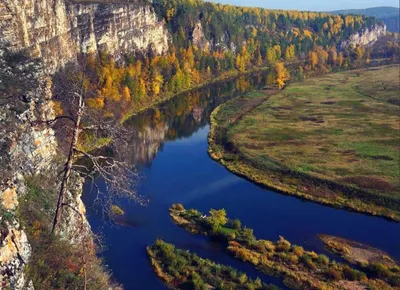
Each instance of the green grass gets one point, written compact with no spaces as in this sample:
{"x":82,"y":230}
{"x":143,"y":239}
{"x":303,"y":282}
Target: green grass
{"x":227,"y":231}
{"x":335,"y":135}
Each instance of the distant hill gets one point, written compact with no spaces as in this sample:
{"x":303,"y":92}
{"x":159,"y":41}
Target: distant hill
{"x":389,"y":15}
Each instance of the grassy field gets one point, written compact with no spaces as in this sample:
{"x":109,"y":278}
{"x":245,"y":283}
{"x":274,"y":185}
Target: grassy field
{"x":333,"y":139}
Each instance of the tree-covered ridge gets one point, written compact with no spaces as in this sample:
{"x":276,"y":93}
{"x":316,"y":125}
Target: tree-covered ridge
{"x":268,"y":27}
{"x":389,"y":15}
{"x":213,"y":41}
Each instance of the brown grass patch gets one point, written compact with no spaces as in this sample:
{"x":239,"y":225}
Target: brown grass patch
{"x":368,"y":182}
{"x":328,"y":103}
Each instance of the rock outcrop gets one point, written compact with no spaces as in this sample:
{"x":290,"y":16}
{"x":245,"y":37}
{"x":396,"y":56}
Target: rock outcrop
{"x":366,"y":37}
{"x":24,"y":151}
{"x":201,"y":41}
{"x":29,"y":150}
{"x":199,"y":38}
{"x":57,"y":30}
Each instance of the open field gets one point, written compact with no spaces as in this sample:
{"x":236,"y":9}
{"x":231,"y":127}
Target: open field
{"x":333,"y":139}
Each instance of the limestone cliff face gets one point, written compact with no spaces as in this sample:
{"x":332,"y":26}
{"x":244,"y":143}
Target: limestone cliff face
{"x":57,"y":30}
{"x":28,"y":150}
{"x":366,"y":37}
{"x":199,"y":38}
{"x":24,"y":150}
{"x":201,"y":41}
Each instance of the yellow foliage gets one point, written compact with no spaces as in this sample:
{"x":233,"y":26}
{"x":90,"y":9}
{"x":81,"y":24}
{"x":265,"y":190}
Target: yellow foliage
{"x":126,"y":94}
{"x":308,"y":33}
{"x":282,"y":74}
{"x":57,"y":108}
{"x":116,"y":210}
{"x":96,"y":103}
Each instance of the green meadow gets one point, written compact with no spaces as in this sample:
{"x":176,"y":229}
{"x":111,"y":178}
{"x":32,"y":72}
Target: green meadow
{"x":333,"y":139}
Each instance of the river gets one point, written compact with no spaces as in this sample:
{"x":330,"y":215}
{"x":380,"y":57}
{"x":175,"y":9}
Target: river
{"x":169,"y":148}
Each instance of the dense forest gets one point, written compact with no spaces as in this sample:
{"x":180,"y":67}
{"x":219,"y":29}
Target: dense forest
{"x":214,"y":41}
{"x":389,"y":15}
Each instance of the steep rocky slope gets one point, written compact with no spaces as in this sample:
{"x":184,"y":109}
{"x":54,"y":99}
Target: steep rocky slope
{"x":366,"y":37}
{"x":57,"y":30}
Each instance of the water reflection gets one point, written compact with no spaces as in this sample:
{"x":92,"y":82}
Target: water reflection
{"x":170,"y":145}
{"x":184,"y":115}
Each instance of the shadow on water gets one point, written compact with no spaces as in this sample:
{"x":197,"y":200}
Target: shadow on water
{"x":169,"y":147}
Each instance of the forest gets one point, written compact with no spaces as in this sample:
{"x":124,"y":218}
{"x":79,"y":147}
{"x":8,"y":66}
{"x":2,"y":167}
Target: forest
{"x":212,"y":42}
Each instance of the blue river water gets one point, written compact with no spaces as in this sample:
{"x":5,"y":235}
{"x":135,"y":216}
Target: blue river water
{"x":170,"y":152}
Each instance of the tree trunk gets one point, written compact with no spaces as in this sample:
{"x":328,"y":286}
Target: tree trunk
{"x":68,"y":166}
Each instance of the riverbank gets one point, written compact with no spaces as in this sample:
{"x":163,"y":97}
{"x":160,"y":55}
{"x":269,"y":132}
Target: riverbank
{"x":303,"y":141}
{"x":297,"y":267}
{"x":225,"y":76}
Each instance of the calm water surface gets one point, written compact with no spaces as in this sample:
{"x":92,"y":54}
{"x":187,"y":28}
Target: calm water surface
{"x":169,"y":145}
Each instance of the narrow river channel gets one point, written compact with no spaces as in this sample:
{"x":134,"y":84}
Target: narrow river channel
{"x":169,"y":147}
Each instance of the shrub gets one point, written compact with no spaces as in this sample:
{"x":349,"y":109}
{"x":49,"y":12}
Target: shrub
{"x":236,"y":224}
{"x":307,"y":261}
{"x":333,"y":274}
{"x":217,"y":218}
{"x":289,"y":258}
{"x":298,"y":251}
{"x":283,"y":245}
{"x":242,"y":278}
{"x":293,"y":259}
{"x":247,"y":235}
{"x":116,"y":210}
{"x":231,"y":236}
{"x":352,"y":274}
{"x":193,"y":213}
{"x":323,"y":259}
{"x":178,"y":206}
{"x":197,"y":282}
{"x":313,"y":255}
{"x":378,"y":270}
{"x":268,"y":245}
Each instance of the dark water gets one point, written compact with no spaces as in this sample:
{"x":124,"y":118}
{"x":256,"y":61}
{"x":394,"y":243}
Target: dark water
{"x":170,"y":147}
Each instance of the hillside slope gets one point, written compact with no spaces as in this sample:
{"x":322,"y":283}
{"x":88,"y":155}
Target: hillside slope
{"x":389,"y":15}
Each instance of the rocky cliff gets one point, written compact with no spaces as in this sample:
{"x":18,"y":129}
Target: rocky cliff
{"x":366,"y":37}
{"x":24,"y":150}
{"x":27,"y":150}
{"x":57,"y":30}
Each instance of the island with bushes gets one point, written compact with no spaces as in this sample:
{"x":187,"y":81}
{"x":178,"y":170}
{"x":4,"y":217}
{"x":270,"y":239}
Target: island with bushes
{"x":180,"y":269}
{"x":299,"y":268}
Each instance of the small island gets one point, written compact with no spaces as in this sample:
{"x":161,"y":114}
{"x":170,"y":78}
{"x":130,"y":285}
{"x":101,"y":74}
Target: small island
{"x":181,"y":269}
{"x":357,"y":253}
{"x":299,"y":269}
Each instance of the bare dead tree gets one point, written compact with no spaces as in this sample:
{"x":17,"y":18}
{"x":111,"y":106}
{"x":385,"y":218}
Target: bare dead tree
{"x":72,"y":89}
